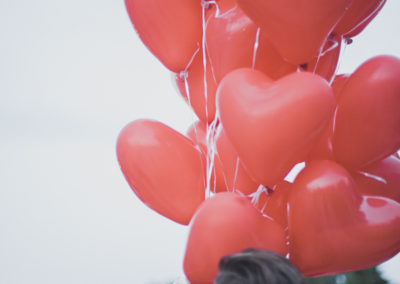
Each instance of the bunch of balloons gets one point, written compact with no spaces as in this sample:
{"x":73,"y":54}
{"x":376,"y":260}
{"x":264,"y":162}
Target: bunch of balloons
{"x":260,"y":76}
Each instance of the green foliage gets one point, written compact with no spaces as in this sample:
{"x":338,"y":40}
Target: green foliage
{"x":367,"y":276}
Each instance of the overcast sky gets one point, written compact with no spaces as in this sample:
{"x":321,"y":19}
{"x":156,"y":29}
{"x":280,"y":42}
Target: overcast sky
{"x":72,"y":74}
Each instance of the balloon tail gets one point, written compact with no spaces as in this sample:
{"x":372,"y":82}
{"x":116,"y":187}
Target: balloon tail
{"x":255,"y":197}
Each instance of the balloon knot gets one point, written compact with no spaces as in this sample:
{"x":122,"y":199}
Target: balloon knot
{"x":205,"y":4}
{"x":348,"y":40}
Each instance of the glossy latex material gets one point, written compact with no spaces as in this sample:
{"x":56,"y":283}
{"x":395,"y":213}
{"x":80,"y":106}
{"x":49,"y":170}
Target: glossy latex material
{"x":193,"y":90}
{"x":298,"y":29}
{"x":358,"y":16}
{"x":367,"y":122}
{"x":338,"y":83}
{"x":231,"y":39}
{"x":334,"y":229}
{"x":323,"y":148}
{"x":381,"y":178}
{"x":197,"y":132}
{"x":276,"y":204}
{"x":171,"y":29}
{"x":224,"y":6}
{"x":163,"y":168}
{"x":225,"y":224}
{"x":273,"y":126}
{"x":229,"y":171}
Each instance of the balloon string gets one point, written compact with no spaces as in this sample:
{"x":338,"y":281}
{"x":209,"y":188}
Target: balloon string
{"x":343,"y":48}
{"x":211,"y":129}
{"x":255,"y":48}
{"x":331,"y":47}
{"x":256,"y":195}
{"x":377,"y":178}
{"x":203,"y":45}
{"x":184,"y":75}
{"x":236,"y":173}
{"x":338,"y":60}
{"x":369,"y":16}
{"x":321,"y":49}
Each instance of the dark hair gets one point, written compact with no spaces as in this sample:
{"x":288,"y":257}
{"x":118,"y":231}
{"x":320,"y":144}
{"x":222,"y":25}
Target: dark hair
{"x":257,"y":267}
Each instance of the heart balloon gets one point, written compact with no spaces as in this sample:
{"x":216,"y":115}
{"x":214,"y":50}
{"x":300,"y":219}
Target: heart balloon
{"x":367,"y":121}
{"x":332,"y":228}
{"x":298,"y":30}
{"x":171,"y":30}
{"x":381,"y":178}
{"x":233,"y":41}
{"x":163,"y":168}
{"x":273,"y":126}
{"x":227,"y":223}
{"x":358,"y":16}
{"x":229,"y":171}
{"x":191,"y":85}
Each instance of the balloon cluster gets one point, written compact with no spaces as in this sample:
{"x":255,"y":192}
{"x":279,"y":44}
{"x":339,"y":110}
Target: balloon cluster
{"x":260,"y":76}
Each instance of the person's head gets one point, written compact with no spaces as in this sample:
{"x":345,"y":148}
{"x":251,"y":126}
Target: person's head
{"x":257,"y":267}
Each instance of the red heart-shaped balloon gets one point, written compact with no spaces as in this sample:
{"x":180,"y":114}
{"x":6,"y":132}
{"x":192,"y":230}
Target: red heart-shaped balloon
{"x":359,"y":14}
{"x":273,"y":126}
{"x":171,"y":30}
{"x":367,"y":121}
{"x":381,"y":178}
{"x":297,"y":29}
{"x":225,"y":224}
{"x":332,"y":228}
{"x":231,"y":39}
{"x":191,"y":85}
{"x":163,"y":168}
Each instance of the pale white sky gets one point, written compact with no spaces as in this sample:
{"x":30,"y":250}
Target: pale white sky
{"x":72,"y":74}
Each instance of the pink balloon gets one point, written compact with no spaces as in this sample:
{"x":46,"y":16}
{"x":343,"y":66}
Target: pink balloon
{"x":163,"y":168}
